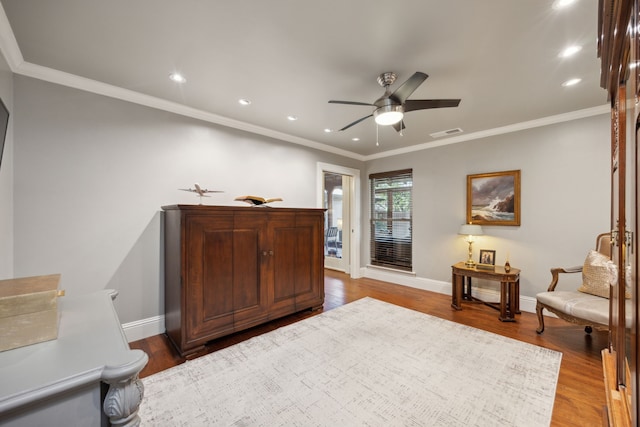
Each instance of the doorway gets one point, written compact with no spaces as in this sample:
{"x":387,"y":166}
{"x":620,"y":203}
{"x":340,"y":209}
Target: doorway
{"x":337,"y":195}
{"x":336,"y":220}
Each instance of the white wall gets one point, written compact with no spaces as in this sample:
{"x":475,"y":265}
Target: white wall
{"x":91,"y":173}
{"x":6,"y":177}
{"x":565,"y":195}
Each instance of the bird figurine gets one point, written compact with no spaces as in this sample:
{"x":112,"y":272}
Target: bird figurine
{"x":257,"y":201}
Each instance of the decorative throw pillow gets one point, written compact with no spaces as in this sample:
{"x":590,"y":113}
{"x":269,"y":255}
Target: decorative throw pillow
{"x":596,"y":275}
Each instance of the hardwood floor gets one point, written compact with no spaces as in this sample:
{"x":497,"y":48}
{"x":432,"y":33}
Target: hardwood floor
{"x":580,"y":394}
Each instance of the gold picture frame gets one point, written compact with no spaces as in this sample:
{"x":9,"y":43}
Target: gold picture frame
{"x":494,"y":198}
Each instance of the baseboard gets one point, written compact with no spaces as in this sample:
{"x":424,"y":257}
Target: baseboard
{"x":151,"y":326}
{"x":527,"y":304}
{"x":144,"y":328}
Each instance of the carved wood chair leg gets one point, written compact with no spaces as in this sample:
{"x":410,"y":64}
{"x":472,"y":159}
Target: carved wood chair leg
{"x":539,"y":309}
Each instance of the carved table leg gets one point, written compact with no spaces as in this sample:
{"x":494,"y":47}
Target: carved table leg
{"x":123,"y":400}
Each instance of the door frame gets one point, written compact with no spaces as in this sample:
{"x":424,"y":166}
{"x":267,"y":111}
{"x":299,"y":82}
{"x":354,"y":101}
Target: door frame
{"x":354,"y":209}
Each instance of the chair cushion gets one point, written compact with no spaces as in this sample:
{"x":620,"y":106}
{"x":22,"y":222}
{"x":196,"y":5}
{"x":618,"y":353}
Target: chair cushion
{"x":596,"y":275}
{"x":582,"y":305}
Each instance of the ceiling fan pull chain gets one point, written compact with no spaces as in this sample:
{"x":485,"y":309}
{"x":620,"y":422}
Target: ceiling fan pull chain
{"x":377,"y":129}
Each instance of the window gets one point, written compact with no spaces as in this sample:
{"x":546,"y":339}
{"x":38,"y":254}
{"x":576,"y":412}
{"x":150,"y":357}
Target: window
{"x":391,"y":201}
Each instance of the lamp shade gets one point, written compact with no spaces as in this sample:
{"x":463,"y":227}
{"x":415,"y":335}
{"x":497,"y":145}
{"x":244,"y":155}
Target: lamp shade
{"x":471,"y":230}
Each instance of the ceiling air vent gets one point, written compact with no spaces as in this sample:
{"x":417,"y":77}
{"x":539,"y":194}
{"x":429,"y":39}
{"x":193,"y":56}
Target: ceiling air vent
{"x":446,"y":133}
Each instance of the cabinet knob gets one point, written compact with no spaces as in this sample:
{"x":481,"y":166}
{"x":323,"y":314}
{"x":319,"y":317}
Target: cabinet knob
{"x":270,"y":253}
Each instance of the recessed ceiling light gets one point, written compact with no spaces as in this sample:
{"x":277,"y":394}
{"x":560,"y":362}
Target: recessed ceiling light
{"x":559,"y":4}
{"x":244,"y":101}
{"x":571,"y":82}
{"x":292,"y":118}
{"x":355,"y":139}
{"x":327,"y":130}
{"x":569,"y":51}
{"x":177,"y":77}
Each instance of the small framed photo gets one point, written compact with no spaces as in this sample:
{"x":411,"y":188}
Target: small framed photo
{"x":487,"y":257}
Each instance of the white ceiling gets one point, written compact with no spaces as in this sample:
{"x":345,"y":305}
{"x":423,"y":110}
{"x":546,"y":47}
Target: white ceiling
{"x":289,"y":57}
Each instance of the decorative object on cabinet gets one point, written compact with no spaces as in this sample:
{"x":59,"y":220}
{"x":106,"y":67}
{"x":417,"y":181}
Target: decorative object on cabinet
{"x":470,"y":230}
{"x":229,"y":268}
{"x":28,"y":310}
{"x":202,"y":192}
{"x":257,"y":200}
{"x":494,"y":198}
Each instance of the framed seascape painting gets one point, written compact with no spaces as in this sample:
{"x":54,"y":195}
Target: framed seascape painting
{"x":494,"y":198}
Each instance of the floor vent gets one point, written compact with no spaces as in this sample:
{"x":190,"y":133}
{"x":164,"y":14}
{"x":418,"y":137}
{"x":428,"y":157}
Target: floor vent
{"x":446,"y":133}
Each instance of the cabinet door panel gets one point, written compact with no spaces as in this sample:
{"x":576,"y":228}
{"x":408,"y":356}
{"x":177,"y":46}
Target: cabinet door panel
{"x":218,"y":274}
{"x":208,"y":291}
{"x":297,"y":263}
{"x":304,"y":260}
{"x":285,"y":245}
{"x":309,"y":262}
{"x":279,"y":264}
{"x":249,"y":286}
{"x":246,"y":268}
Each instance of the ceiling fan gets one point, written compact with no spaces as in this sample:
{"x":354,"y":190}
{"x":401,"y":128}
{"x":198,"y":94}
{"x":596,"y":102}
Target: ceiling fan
{"x":390,"y":107}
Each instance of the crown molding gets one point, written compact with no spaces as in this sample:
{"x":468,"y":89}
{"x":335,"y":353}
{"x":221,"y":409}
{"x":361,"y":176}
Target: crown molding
{"x":545,"y":121}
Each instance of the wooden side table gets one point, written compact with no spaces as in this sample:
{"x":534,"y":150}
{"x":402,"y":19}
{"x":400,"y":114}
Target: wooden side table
{"x":509,"y":304}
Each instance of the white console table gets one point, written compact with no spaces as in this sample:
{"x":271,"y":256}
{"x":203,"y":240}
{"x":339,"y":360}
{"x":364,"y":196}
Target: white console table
{"x":86,"y":377}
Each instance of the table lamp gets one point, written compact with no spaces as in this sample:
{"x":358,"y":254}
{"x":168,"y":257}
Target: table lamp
{"x":470,"y":230}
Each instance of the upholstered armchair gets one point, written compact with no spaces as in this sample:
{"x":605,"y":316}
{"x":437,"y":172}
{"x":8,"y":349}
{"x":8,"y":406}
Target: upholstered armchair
{"x":589,"y":304}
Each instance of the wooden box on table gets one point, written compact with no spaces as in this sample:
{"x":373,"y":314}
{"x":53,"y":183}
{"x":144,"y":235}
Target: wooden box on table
{"x":28,"y":310}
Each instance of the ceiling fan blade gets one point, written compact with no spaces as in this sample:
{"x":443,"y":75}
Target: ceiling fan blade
{"x":355,"y":123}
{"x":350,"y":103}
{"x":407,"y":88}
{"x":424,"y":104}
{"x":399,"y":126}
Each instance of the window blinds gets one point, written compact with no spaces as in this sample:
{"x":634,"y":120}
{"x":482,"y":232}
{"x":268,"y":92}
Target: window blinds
{"x":391,"y":219}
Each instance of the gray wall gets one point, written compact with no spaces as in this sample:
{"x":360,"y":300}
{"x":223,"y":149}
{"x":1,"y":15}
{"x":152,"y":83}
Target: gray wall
{"x":91,"y":173}
{"x":565,"y":197}
{"x":6,"y":177}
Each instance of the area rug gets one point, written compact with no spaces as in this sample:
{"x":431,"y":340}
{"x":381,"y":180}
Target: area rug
{"x":367,"y":363}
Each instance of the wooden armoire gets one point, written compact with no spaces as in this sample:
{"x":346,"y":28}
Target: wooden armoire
{"x":230,"y":268}
{"x":618,"y":49}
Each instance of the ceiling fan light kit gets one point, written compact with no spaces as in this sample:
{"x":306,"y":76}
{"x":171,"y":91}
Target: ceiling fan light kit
{"x":388,"y":115}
